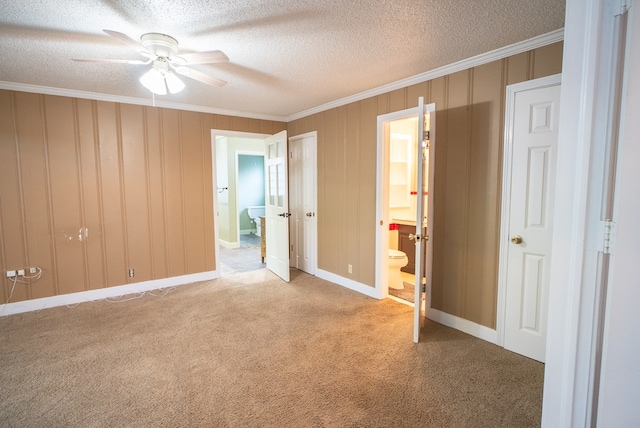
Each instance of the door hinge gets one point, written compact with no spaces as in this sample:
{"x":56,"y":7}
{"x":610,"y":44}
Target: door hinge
{"x":609,"y":236}
{"x":426,"y":136}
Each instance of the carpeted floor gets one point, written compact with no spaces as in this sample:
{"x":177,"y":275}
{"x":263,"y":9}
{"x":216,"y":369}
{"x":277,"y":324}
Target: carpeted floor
{"x":249,"y":350}
{"x":407,"y":293}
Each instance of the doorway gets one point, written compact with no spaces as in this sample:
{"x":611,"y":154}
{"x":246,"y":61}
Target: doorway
{"x":239,"y":187}
{"x":405,"y":198}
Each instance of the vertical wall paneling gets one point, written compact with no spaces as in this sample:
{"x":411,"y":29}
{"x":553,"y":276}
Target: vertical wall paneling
{"x":366,"y":183}
{"x":135,"y":192}
{"x":168,"y":147}
{"x":92,"y":213}
{"x":193,"y":191}
{"x":438,"y":95}
{"x":351,"y":215}
{"x":173,"y":197}
{"x":398,"y":100}
{"x":469,"y":118}
{"x":517,"y":68}
{"x":456,"y":178}
{"x":64,"y":190}
{"x":544,"y":64}
{"x":137,"y":178}
{"x":207,"y":191}
{"x":11,"y":223}
{"x":342,"y":193}
{"x":36,"y":223}
{"x":111,"y":190}
{"x":484,"y":191}
{"x":157,"y":169}
{"x":328,"y":185}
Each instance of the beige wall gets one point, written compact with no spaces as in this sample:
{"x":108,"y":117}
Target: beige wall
{"x":470,"y":112}
{"x":139,"y":178}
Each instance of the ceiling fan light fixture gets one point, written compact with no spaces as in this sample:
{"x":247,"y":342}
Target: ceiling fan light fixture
{"x":153,"y":80}
{"x":174,"y":83}
{"x":160,"y":78}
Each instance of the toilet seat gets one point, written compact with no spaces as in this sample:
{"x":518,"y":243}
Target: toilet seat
{"x":395,"y":254}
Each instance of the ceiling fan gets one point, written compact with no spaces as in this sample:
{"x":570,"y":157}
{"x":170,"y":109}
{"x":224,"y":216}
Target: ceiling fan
{"x":161,"y":51}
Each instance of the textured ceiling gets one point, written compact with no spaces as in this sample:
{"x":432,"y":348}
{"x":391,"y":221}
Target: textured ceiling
{"x":286,"y":56}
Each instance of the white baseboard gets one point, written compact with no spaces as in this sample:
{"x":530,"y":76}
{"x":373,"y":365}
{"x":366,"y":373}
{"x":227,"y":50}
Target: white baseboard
{"x":348,"y":283}
{"x":466,"y":326}
{"x":227,"y":244}
{"x":103,"y":293}
{"x":247,"y":231}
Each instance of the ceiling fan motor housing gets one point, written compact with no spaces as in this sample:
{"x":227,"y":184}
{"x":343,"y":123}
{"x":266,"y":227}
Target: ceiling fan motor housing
{"x":160,"y":44}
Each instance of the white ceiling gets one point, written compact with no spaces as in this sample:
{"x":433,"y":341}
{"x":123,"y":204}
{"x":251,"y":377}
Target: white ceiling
{"x":286,"y":56}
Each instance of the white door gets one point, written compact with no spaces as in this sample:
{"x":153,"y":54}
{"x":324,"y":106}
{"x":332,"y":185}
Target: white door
{"x":424,"y":212}
{"x":277,"y":205}
{"x":302,"y":179}
{"x":527,"y":232}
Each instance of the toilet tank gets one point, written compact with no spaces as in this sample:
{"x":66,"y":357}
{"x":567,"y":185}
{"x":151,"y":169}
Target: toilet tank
{"x":255,"y":212}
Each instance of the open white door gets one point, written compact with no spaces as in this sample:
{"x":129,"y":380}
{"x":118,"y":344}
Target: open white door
{"x":277,"y":205}
{"x":424,"y":214}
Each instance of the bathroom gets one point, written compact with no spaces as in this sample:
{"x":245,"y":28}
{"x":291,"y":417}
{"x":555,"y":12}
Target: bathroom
{"x":403,"y":148}
{"x":240,"y":201}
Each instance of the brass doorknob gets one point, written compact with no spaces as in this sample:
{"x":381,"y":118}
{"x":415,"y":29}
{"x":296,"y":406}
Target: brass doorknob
{"x":516,"y":239}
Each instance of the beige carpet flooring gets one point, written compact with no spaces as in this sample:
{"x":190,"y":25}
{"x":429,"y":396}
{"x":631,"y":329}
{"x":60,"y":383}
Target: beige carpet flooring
{"x":249,"y":350}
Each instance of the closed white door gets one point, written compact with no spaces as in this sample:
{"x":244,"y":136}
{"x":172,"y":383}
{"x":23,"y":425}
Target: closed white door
{"x":529,"y":215}
{"x":302,"y":192}
{"x":277,"y":205}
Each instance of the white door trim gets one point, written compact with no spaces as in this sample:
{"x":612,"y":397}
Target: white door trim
{"x":222,"y":133}
{"x":382,"y":198}
{"x":512,"y":90}
{"x":314,"y":174}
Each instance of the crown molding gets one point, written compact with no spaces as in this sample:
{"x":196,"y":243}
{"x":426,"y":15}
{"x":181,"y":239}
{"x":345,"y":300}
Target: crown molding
{"x":500,"y":53}
{"x":48,"y":90}
{"x":514,"y":49}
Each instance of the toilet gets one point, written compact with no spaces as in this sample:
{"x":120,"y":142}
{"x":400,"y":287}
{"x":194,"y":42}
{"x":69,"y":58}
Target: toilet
{"x":254,"y":213}
{"x":397,"y":260}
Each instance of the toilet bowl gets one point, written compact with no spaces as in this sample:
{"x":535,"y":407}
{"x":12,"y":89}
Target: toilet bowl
{"x":254,"y":213}
{"x":397,"y":260}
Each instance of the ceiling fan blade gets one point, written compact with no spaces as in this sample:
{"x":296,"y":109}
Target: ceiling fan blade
{"x":130,"y":42}
{"x":209,"y":57}
{"x":199,"y":76}
{"x":116,"y":61}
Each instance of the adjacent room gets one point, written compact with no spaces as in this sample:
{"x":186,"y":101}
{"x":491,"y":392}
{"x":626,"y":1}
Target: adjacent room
{"x":313,"y":213}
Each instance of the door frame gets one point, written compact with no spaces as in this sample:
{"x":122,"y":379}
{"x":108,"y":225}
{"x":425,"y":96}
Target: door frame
{"x":382,"y":197}
{"x":507,"y":154}
{"x":223,"y":133}
{"x":292,"y":140}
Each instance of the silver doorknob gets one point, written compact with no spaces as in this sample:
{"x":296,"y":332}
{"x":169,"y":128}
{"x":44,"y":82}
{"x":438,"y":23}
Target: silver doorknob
{"x":308,"y":214}
{"x":516,"y":239}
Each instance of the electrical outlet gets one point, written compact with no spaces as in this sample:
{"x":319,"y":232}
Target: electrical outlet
{"x":11,"y":273}
{"x":20,"y":272}
{"x":132,"y":272}
{"x":350,"y":268}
